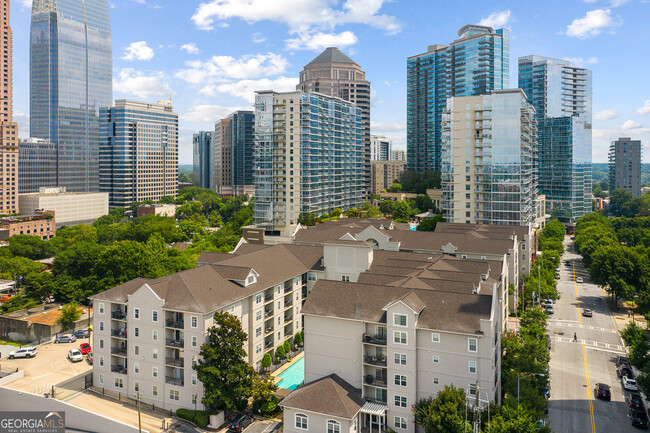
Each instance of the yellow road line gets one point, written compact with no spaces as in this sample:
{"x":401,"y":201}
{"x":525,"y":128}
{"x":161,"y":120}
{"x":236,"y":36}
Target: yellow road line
{"x":584,"y":349}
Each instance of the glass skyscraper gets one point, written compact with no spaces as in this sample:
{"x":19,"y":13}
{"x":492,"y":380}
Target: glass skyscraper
{"x":203,"y":159}
{"x":474,"y":64}
{"x":70,"y":79}
{"x":561,"y":95}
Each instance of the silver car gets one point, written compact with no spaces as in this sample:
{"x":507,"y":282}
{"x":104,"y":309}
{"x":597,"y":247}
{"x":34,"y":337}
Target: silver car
{"x":75,"y":355}
{"x":25,"y":352}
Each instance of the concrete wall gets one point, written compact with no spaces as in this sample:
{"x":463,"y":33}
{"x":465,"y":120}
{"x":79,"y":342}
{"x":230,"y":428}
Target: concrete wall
{"x":75,"y":418}
{"x":70,"y":208}
{"x":24,"y":331}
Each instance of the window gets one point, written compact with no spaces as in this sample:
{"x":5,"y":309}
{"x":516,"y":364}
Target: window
{"x":155,"y":335}
{"x":154,"y":390}
{"x":154,"y":371}
{"x":399,"y":319}
{"x":258,"y":332}
{"x":195,"y":322}
{"x":435,"y":337}
{"x":400,"y":401}
{"x":194,"y":379}
{"x":472,"y":389}
{"x":311,"y":276}
{"x":101,"y":344}
{"x":258,"y":298}
{"x":136,"y":350}
{"x":258,"y":316}
{"x":119,"y":383}
{"x":472,"y":367}
{"x":101,"y":326}
{"x":258,"y":348}
{"x":136,"y":368}
{"x":400,"y":422}
{"x":278,"y":289}
{"x":101,"y":379}
{"x":435,"y":380}
{"x":399,"y":337}
{"x":333,"y":426}
{"x":472,"y":344}
{"x":436,"y":359}
{"x":193,"y":341}
{"x":400,"y":359}
{"x":155,"y":354}
{"x":154,"y":316}
{"x":400,"y":380}
{"x":251,"y":279}
{"x":482,"y":257}
{"x":463,"y":256}
{"x":301,"y":421}
{"x":173,"y":394}
{"x":136,"y":313}
{"x":101,"y":361}
{"x":101,"y":308}
{"x":136,"y":386}
{"x":345,"y":278}
{"x":136,"y":332}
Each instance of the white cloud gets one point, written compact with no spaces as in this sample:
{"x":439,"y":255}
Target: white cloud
{"x":22,"y":119}
{"x":138,"y":51}
{"x":631,"y":124}
{"x":581,"y":62}
{"x":245,"y":89}
{"x":27,"y":3}
{"x":589,"y":1}
{"x":319,"y":41}
{"x":258,"y":38}
{"x":496,"y":20}
{"x":144,"y":86}
{"x":645,"y":109}
{"x":190,"y":48}
{"x":617,"y":3}
{"x":383,"y":127}
{"x":297,"y":14}
{"x":603,"y":137}
{"x":208,"y":113}
{"x":222,"y":68}
{"x":607,"y":114}
{"x":592,"y":24}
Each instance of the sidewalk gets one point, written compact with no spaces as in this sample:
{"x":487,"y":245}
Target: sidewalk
{"x":619,"y":315}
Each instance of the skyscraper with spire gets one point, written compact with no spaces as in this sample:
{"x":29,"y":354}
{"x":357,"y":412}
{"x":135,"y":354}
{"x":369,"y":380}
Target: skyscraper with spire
{"x":8,"y":128}
{"x":70,"y":79}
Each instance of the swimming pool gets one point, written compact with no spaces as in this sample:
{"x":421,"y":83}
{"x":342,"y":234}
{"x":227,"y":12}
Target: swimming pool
{"x":293,"y":376}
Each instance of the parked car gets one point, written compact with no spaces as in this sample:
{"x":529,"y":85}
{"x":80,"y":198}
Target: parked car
{"x":65,"y":339}
{"x":625,"y":371}
{"x":24,"y":352}
{"x":84,"y":333}
{"x":75,"y":355}
{"x":622,"y":360}
{"x":89,"y":358}
{"x":587,"y":312}
{"x":239,"y":422}
{"x":85,"y":348}
{"x":639,"y":419}
{"x":557,"y":275}
{"x":603,"y":391}
{"x":548,"y":341}
{"x":635,"y":401}
{"x":630,"y":384}
{"x":579,"y":280}
{"x":549,"y":309}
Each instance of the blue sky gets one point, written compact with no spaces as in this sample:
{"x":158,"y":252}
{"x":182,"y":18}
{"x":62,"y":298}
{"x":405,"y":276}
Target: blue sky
{"x":210,"y":56}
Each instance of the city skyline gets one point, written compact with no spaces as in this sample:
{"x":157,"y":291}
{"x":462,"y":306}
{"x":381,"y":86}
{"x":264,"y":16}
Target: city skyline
{"x":267,"y":50}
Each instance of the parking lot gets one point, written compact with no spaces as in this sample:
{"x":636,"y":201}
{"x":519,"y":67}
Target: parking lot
{"x":49,"y":367}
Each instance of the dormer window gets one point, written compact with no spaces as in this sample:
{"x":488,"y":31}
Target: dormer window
{"x":251,"y":279}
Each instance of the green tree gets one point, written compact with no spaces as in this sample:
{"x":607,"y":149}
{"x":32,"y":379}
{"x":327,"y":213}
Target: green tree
{"x":267,"y":360}
{"x":287,"y":347}
{"x":262,"y":392}
{"x":222,"y":368}
{"x":280,"y":352}
{"x":402,"y":210}
{"x":515,"y":419}
{"x":443,"y":414}
{"x":298,"y":338}
{"x":387,"y":207}
{"x":31,"y":247}
{"x":69,"y":314}
{"x":395,"y":187}
{"x":429,"y":224}
{"x":424,"y":203}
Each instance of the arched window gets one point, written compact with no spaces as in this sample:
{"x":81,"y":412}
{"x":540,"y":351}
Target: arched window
{"x":333,"y":426}
{"x":375,"y":244}
{"x":301,"y":421}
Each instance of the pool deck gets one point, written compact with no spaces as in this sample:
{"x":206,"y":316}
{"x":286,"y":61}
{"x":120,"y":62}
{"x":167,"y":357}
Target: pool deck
{"x":275,"y":374}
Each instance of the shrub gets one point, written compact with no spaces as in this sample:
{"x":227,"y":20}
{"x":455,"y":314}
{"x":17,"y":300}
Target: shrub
{"x":287,"y":347}
{"x":202,"y":418}
{"x":280,"y":352}
{"x":298,"y":339}
{"x":267,"y":360}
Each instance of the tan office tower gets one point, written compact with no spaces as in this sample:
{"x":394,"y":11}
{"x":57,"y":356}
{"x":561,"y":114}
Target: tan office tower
{"x":333,"y":73}
{"x":8,"y":128}
{"x":223,"y":153}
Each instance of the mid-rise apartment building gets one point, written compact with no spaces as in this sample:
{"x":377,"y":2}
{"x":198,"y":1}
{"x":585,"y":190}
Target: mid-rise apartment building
{"x":474,"y":64}
{"x":332,"y":73}
{"x":233,"y":152}
{"x":384,"y":174}
{"x":308,"y":157}
{"x":203,"y":159}
{"x":36,"y":165}
{"x":380,"y":148}
{"x":138,"y":152}
{"x":625,"y":157}
{"x":398,"y":155}
{"x":561,"y":95}
{"x":41,"y":223}
{"x":489,"y":145}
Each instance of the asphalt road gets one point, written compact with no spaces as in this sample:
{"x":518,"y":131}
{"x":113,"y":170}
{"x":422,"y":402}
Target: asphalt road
{"x":576,"y":367}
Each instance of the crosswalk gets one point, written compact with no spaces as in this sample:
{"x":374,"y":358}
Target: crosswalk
{"x":572,"y":324}
{"x":590,"y":344}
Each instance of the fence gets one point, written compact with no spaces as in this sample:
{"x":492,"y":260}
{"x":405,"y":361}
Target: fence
{"x":275,"y":366}
{"x":71,"y":386}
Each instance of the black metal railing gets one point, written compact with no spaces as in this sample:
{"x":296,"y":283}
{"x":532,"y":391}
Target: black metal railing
{"x":177,"y":362}
{"x":174,"y":380}
{"x":374,"y":339}
{"x":175,"y":343}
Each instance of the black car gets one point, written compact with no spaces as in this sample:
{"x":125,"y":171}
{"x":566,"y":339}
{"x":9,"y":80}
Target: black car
{"x":603,"y":391}
{"x":240,"y":422}
{"x":639,"y":419}
{"x":625,"y":371}
{"x":622,"y":360}
{"x":84,"y":333}
{"x":635,"y":400}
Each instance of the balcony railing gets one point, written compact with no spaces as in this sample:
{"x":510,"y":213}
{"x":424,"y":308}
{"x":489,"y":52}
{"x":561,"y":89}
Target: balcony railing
{"x":379,"y":360}
{"x":268,"y":314}
{"x":174,"y":343}
{"x":174,"y":324}
{"x":369,"y":379}
{"x":176,"y":362}
{"x":374,"y":400}
{"x":174,"y":380}
{"x":118,"y":369}
{"x":118,"y":351}
{"x":374,"y":339}
{"x":119,"y":333}
{"x":118,"y":315}
{"x":268,"y":344}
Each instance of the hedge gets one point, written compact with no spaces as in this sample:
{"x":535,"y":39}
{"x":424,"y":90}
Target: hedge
{"x":202,"y":418}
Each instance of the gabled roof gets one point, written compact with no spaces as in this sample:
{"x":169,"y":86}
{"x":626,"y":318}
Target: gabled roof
{"x":332,"y":55}
{"x":329,"y":395}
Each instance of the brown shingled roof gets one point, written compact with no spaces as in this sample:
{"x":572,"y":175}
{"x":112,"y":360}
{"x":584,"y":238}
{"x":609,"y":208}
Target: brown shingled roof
{"x":329,"y":395}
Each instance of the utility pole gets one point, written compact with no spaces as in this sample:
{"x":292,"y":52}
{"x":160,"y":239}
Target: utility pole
{"x":138,"y":396}
{"x":539,"y":280}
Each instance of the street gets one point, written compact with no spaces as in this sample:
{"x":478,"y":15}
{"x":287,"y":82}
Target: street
{"x":576,"y":367}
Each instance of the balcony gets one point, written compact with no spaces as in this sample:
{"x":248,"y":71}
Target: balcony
{"x":176,"y":362}
{"x":118,"y":315}
{"x":268,"y":313}
{"x":371,"y":380}
{"x":171,"y":342}
{"x":268,"y":330}
{"x":268,"y":344}
{"x":118,"y":351}
{"x":174,"y":380}
{"x":374,"y":339}
{"x":374,"y":400}
{"x":176,"y":324}
{"x":379,"y":360}
{"x":288,"y":319}
{"x":118,"y":333}
{"x":288,"y":304}
{"x":121,"y":369}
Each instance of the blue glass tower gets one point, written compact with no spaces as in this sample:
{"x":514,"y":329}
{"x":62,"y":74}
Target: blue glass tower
{"x":561,"y":95}
{"x":474,"y":64}
{"x":70,"y":78}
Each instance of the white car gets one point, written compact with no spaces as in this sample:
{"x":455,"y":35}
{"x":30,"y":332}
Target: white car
{"x":75,"y":355}
{"x":630,"y":384}
{"x":25,"y":352}
{"x":579,"y":280}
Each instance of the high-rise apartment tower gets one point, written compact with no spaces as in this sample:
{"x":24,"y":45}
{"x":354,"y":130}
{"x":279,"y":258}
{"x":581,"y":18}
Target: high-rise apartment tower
{"x":233,"y":151}
{"x":8,"y":128}
{"x":380,"y":148}
{"x":203,"y":159}
{"x":625,"y":157}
